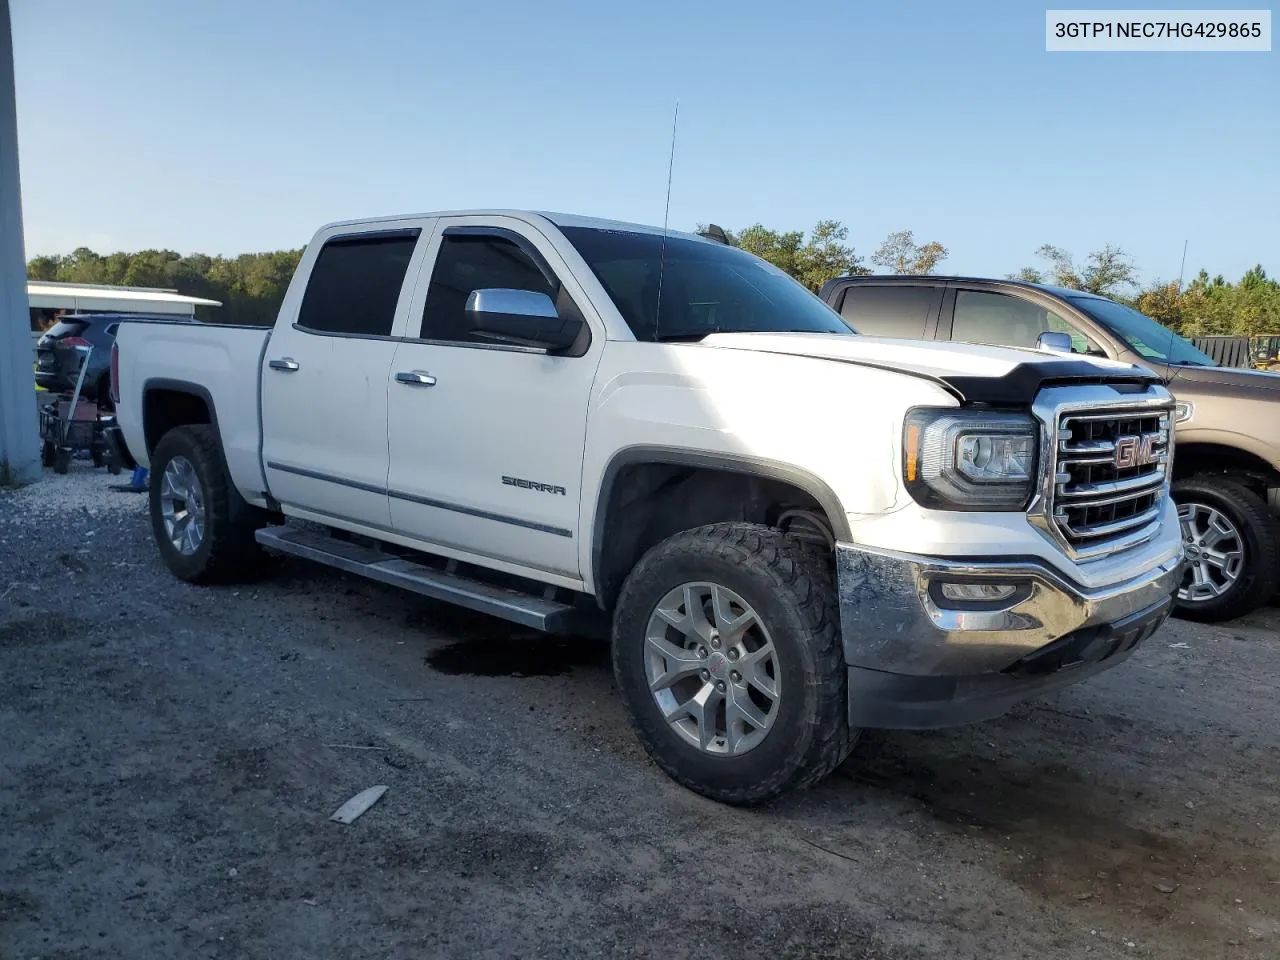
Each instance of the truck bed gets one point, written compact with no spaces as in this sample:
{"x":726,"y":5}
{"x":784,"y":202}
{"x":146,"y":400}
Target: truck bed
{"x":221,"y":361}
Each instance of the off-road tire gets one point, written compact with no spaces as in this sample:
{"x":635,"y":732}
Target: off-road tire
{"x":61,"y":459}
{"x":796,"y":598}
{"x":228,"y":553}
{"x":1261,"y":537}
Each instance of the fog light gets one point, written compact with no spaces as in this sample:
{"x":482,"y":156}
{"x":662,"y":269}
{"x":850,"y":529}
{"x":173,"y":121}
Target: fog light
{"x":978,"y":591}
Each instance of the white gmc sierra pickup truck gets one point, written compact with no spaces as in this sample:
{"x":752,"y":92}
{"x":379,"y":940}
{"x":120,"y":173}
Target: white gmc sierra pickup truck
{"x":792,"y":531}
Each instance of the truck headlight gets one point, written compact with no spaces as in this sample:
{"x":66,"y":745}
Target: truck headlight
{"x":969,"y":459}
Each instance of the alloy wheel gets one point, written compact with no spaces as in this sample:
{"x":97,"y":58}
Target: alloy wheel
{"x":712,"y":668}
{"x":182,"y":505}
{"x":1214,"y":549}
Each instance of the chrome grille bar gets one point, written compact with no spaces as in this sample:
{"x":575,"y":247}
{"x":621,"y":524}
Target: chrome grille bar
{"x":1109,"y":475}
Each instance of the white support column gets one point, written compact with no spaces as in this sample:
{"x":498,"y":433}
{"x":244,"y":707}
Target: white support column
{"x":19,"y":439}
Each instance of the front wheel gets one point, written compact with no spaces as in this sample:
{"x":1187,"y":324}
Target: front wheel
{"x":726,"y":647}
{"x":202,"y":526}
{"x":1232,"y":549}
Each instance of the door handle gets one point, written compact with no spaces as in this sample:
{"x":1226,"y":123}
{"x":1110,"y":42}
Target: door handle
{"x":287,"y":364}
{"x":416,"y":378}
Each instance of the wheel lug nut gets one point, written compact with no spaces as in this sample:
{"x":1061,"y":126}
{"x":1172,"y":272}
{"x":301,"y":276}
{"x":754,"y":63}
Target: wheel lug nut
{"x":720,"y":685}
{"x":702,"y":652}
{"x":733,"y":654}
{"x":715,"y":642}
{"x":705,"y":674}
{"x":735,"y":676}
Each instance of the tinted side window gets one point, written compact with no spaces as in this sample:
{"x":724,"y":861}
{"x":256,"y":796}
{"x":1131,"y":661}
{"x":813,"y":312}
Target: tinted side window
{"x":1001,"y":320}
{"x":355,"y":284}
{"x":474,"y":262}
{"x":883,"y":311}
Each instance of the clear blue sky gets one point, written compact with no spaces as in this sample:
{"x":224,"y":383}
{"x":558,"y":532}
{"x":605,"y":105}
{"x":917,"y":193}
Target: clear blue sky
{"x":233,"y":126}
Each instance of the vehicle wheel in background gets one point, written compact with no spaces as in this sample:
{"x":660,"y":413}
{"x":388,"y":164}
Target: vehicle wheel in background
{"x":61,"y":459}
{"x":48,"y":453}
{"x":99,"y":456}
{"x":203,"y":527}
{"x":726,"y":647}
{"x":1233,"y":549}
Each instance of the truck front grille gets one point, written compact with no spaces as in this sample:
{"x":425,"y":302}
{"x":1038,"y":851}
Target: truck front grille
{"x":1110,"y":475}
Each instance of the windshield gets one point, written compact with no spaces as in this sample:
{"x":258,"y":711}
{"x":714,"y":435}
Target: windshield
{"x":1150,"y":339}
{"x":706,"y":287}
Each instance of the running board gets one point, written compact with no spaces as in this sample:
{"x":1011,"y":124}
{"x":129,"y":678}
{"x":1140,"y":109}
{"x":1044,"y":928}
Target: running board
{"x":550,"y":616}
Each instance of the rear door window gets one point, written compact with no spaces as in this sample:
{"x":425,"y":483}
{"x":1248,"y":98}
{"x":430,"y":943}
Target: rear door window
{"x":355,"y":284}
{"x":881,"y":310}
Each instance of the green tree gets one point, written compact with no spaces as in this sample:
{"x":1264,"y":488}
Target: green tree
{"x":900,"y":254}
{"x":250,"y":286}
{"x":1109,"y":271}
{"x":813,"y":261}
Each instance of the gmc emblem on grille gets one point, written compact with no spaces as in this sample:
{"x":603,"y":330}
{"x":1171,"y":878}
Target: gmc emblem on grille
{"x":1134,"y":451}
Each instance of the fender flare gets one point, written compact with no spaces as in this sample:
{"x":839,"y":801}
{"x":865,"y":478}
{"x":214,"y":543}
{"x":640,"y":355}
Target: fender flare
{"x":757,"y":467}
{"x":178,"y":386}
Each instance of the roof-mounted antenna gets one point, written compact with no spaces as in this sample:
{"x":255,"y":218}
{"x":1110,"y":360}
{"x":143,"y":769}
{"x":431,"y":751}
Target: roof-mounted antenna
{"x":1168,"y":354}
{"x":715,"y":232}
{"x":666,"y":212}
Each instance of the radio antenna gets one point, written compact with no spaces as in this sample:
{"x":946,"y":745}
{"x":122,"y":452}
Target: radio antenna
{"x":1182,"y":269}
{"x":666,"y":213}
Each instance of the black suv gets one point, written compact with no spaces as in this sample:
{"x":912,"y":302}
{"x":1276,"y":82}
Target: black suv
{"x":58,"y":361}
{"x":1226,"y":465}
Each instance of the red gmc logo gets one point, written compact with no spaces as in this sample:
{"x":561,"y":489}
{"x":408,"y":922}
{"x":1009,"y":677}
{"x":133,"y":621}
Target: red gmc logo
{"x":1135,"y":451}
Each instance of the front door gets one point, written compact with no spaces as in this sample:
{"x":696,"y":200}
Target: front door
{"x":487,"y":439}
{"x":325,"y":377}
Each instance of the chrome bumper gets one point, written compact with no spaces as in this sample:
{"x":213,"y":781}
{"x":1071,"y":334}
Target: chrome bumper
{"x":895,"y":618}
{"x":917,"y":660}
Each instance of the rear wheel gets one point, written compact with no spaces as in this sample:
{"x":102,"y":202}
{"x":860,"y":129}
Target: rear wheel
{"x":61,"y":459}
{"x":1232,"y":546}
{"x":203,"y":527}
{"x":726,"y":648}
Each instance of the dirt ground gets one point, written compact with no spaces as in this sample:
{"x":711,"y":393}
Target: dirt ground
{"x":170,"y":755}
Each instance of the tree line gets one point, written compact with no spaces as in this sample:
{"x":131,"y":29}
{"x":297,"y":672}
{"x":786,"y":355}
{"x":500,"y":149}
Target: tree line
{"x":252,"y":285}
{"x":1205,"y":306}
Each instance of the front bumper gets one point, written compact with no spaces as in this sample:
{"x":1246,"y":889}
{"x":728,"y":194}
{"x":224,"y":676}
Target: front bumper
{"x":918,"y":660}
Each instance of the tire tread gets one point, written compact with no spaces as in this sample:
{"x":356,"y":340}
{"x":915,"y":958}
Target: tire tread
{"x":234,"y":555}
{"x":1262,"y":533}
{"x":804,"y":584}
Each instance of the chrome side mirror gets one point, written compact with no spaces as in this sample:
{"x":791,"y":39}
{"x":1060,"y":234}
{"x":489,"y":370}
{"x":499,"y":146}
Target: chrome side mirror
{"x":1053,"y":342}
{"x":522,"y":317}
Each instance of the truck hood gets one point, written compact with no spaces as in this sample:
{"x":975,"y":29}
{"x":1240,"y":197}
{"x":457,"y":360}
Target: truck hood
{"x":973,"y":372}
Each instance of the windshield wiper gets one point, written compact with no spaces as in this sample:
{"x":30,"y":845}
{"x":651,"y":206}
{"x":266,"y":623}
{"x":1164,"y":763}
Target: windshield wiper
{"x":1187,"y":363}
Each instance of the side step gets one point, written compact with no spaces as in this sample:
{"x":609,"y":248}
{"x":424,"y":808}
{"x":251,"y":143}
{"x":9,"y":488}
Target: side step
{"x":523,"y":608}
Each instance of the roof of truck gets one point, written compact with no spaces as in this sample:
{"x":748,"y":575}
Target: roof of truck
{"x":559,"y":219}
{"x":935,"y":277}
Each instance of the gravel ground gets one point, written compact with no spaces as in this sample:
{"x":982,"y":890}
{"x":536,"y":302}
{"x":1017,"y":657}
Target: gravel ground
{"x":170,"y":755}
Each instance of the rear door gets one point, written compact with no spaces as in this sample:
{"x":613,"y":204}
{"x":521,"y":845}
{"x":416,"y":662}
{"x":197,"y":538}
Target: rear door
{"x":326,"y":372}
{"x":907,"y":310}
{"x":487,"y":438}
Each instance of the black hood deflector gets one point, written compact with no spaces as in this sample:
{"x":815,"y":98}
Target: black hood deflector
{"x":1020,"y":385}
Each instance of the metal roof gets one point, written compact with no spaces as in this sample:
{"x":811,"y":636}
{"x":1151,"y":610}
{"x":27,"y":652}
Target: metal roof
{"x":84,"y":297}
